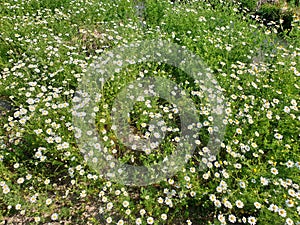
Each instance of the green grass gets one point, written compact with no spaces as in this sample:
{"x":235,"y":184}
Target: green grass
{"x":46,"y":49}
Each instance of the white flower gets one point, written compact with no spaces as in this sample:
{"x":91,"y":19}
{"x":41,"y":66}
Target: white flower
{"x":278,"y":136}
{"x":109,"y":205}
{"x":16,"y":165}
{"x":239,"y":131}
{"x":242,"y":184}
{"x":171,"y":181}
{"x":228,"y":48}
{"x":237,"y":165}
{"x":264,"y":181}
{"x":228,"y":204}
{"x":127,"y":211}
{"x":18,"y":206}
{"x":273,"y":208}
{"x":257,"y":205}
{"x":217,"y":203}
{"x":221,"y":218}
{"x":168,"y":201}
{"x":206,"y":176}
{"x":83,"y":194}
{"x":33,"y":199}
{"x":286,"y":109}
{"x":189,"y":222}
{"x":232,"y":218}
{"x":219,"y":189}
{"x":292,"y":192}
{"x":288,"y":221}
{"x":164,"y":216}
{"x":142,"y":212}
{"x":252,"y":220}
{"x":282,"y":212}
{"x":289,"y":164}
{"x":289,"y":203}
{"x":47,"y":181}
{"x":187,"y":178}
{"x":138,"y":221}
{"x":109,"y":220}
{"x":125,"y":204}
{"x":120,"y":222}
{"x":20,"y":180}
{"x":54,"y":216}
{"x":150,"y":220}
{"x":239,"y":204}
{"x":274,"y":171}
{"x":48,"y":201}
{"x":160,"y":200}
{"x":212,"y":197}
{"x":244,"y":219}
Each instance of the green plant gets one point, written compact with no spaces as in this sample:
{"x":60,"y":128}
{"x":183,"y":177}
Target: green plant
{"x":46,"y":49}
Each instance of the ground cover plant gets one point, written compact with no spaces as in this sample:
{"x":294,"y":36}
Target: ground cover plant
{"x":46,"y":49}
{"x":280,"y":12}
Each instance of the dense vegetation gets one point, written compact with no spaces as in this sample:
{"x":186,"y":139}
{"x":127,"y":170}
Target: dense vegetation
{"x":48,"y":49}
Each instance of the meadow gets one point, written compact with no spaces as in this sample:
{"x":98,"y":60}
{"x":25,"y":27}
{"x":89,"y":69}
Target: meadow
{"x":60,"y":164}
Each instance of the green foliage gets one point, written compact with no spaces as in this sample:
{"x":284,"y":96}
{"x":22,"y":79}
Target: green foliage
{"x":270,"y":11}
{"x":249,"y":4}
{"x":46,"y":48}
